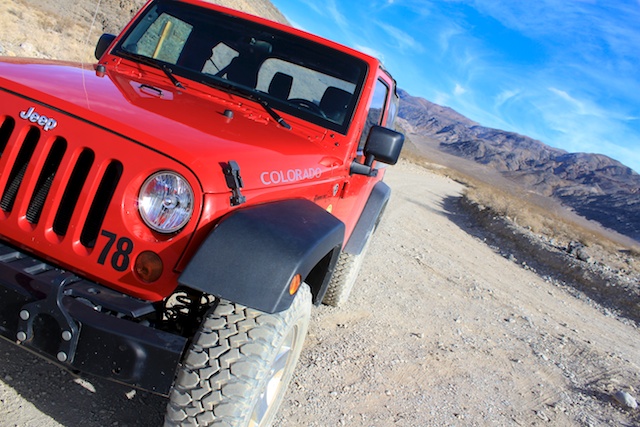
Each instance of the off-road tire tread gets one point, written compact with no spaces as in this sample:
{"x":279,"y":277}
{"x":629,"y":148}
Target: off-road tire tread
{"x":226,"y":362}
{"x":344,"y":277}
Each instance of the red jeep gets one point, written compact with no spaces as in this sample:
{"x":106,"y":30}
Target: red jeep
{"x":169,"y":215}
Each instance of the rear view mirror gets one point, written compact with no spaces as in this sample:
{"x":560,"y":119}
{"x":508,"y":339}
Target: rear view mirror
{"x":103,"y":43}
{"x":383,"y":145}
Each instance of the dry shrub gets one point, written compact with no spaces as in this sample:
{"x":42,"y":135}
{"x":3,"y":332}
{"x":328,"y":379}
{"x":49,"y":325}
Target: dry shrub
{"x":534,"y":213}
{"x":528,"y":212}
{"x":16,"y":13}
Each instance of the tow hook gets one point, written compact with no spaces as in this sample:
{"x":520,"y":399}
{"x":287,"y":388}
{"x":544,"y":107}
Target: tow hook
{"x":52,"y":306}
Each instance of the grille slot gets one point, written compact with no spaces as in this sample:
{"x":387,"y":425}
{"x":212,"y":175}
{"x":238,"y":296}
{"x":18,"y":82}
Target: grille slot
{"x":59,"y":188}
{"x":5,"y":132}
{"x":100,"y":204}
{"x":18,"y":170}
{"x":45,"y":180}
{"x":72,"y":192}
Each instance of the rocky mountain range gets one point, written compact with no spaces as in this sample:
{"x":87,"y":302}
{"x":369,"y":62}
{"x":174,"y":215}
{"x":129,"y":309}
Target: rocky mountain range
{"x":595,"y":186}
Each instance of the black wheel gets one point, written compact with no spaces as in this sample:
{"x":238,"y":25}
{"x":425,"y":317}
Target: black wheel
{"x":239,"y":365}
{"x":344,"y":277}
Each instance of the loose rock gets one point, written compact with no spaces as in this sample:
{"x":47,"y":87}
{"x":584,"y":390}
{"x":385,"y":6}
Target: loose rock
{"x":625,"y":399}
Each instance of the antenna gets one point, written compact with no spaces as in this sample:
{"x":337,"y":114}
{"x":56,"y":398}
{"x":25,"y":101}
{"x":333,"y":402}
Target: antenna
{"x":93,"y":21}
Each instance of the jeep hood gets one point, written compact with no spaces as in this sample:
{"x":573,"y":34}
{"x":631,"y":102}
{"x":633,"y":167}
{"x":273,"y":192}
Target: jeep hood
{"x":189,"y":125}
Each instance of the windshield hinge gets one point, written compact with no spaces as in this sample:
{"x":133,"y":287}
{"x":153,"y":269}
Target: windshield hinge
{"x":234,"y":182}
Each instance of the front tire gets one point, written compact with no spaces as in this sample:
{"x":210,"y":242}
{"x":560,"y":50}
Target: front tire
{"x":239,"y":365}
{"x":344,"y":277}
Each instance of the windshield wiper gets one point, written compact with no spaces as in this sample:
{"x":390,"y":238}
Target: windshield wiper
{"x":251,"y":95}
{"x":153,"y":63}
{"x":169,"y":74}
{"x":277,"y":117}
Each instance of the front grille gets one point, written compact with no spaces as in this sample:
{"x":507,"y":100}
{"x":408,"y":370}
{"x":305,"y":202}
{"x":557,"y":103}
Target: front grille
{"x":33,"y":145}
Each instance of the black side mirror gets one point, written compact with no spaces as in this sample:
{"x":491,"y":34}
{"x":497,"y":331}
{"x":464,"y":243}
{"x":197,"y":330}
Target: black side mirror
{"x":103,"y":44}
{"x":383,"y":145}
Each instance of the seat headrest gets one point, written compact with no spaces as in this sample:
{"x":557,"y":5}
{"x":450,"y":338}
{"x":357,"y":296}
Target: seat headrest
{"x":334,"y":103}
{"x":280,"y":86}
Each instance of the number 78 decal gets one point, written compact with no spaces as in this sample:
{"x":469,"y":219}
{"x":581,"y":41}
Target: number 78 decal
{"x":120,"y":256}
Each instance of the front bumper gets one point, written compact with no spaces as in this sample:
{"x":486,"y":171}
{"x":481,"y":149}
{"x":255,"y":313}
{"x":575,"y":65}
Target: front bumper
{"x":83,"y":326}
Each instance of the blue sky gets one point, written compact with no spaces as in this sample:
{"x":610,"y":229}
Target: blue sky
{"x":566,"y":72}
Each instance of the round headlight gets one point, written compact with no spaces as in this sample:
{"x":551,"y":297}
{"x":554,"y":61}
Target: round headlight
{"x":165,"y":202}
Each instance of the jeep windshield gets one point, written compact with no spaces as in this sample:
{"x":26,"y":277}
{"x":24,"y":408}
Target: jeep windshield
{"x":277,"y":69}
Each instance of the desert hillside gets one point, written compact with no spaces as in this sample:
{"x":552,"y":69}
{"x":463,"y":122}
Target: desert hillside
{"x":460,"y":317}
{"x":594,"y":186}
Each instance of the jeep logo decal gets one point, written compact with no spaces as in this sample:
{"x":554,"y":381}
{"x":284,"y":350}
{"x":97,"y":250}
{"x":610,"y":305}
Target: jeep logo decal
{"x":45,"y":122}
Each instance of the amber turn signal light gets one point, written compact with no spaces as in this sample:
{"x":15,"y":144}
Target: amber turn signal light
{"x":295,"y":284}
{"x":148,"y":266}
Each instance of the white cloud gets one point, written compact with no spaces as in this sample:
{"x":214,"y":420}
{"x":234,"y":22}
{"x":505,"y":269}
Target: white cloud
{"x":587,"y":107}
{"x":447,"y":35}
{"x":578,"y":105}
{"x":370,"y":51}
{"x":314,"y":6}
{"x":459,"y":90}
{"x":330,"y":9}
{"x":506,"y":96}
{"x":295,"y":24}
{"x":336,"y":15}
{"x":403,"y":41}
{"x":441,"y":98}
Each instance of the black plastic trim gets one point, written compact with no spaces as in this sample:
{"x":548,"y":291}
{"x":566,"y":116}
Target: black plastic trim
{"x":254,"y":253}
{"x":369,"y":218}
{"x":80,"y":325}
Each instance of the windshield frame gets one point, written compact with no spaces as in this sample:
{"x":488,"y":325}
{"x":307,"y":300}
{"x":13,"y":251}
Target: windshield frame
{"x":298,"y":51}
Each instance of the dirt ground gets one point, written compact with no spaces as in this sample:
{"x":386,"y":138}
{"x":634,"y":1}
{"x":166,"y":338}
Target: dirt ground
{"x":442,"y":329}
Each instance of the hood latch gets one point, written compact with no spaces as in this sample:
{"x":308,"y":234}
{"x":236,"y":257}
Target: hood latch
{"x":231,"y":172}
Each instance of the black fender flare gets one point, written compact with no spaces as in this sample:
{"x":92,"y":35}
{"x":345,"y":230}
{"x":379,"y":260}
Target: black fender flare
{"x":254,"y":253}
{"x":369,"y":218}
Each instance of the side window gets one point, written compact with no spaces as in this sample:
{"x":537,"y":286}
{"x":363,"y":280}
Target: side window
{"x":221,"y":57}
{"x":376,"y":110}
{"x":394,"y":105}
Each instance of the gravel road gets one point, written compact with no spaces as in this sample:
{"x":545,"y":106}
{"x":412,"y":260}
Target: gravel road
{"x":440,"y":331}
